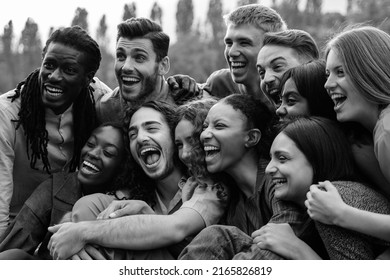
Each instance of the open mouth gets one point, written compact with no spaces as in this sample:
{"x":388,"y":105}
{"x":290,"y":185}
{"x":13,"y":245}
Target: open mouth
{"x":150,"y":156}
{"x":338,"y":99}
{"x":274,"y":94}
{"x":237,"y":65}
{"x":89,"y":168}
{"x":130,"y":81}
{"x":53,"y":91}
{"x":279,"y":182}
{"x":211,"y":151}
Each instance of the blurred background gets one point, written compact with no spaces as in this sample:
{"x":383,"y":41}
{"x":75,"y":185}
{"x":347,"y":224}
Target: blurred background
{"x":196,"y":28}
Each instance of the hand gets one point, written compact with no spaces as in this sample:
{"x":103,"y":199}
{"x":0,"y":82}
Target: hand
{"x":66,"y":241}
{"x":120,"y":208}
{"x":89,"y":252}
{"x":278,"y":238}
{"x":188,"y":189}
{"x":324,"y":206}
{"x":183,"y":88}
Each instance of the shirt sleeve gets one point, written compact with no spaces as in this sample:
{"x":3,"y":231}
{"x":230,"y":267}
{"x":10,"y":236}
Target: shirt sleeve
{"x":382,"y":143}
{"x":7,"y":155}
{"x":210,"y":201}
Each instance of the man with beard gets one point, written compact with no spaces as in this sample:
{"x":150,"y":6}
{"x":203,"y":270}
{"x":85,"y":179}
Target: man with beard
{"x":140,"y":65}
{"x":144,"y":231}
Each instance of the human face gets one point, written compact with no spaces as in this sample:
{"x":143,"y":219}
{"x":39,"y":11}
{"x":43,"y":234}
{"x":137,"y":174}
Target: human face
{"x":101,"y":156}
{"x":184,"y":140}
{"x":350,"y":105}
{"x":291,"y":172}
{"x":293,"y":104}
{"x":62,"y":76}
{"x":136,"y":69}
{"x":242,"y":44}
{"x":224,"y":136}
{"x":272,"y":62}
{"x":151,"y":143}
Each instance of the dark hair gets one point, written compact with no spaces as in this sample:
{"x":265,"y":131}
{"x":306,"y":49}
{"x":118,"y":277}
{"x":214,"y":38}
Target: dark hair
{"x":310,"y":79}
{"x":196,"y":112}
{"x":299,"y":40}
{"x":147,"y":29}
{"x":32,"y":111}
{"x":144,"y":185}
{"x":325,"y":146}
{"x":258,"y":116}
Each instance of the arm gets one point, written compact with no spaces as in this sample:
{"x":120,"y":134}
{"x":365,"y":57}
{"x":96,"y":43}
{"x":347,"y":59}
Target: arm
{"x":137,"y":232}
{"x":382,"y":144}
{"x":328,"y":207}
{"x":183,"y":88}
{"x":281,"y":239}
{"x":7,"y":155}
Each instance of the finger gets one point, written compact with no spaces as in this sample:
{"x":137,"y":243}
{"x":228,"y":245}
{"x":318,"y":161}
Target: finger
{"x":172,"y":83}
{"x":75,"y":258}
{"x":94,"y":253}
{"x":55,"y":228}
{"x":313,"y":188}
{"x":329,"y":186}
{"x":84,"y":255}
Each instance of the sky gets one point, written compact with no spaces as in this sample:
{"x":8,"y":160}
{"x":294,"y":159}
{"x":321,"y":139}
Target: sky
{"x":54,"y":13}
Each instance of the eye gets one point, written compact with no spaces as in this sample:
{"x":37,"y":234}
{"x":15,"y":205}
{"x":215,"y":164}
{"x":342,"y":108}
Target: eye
{"x":327,"y":74}
{"x":291,"y":101}
{"x":48,"y":65}
{"x":340,"y":72}
{"x":282,"y":158}
{"x":71,"y":70}
{"x":90,"y":144}
{"x":204,"y":126}
{"x":140,"y":57}
{"x":261,"y":73}
{"x":219,"y":125}
{"x":108,"y":154}
{"x":132,"y":135}
{"x":179,"y":145}
{"x":278,"y":68}
{"x":120,"y":56}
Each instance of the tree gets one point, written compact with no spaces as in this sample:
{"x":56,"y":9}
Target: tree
{"x":246,"y":2}
{"x":215,"y":18}
{"x":156,"y":13}
{"x":313,"y":12}
{"x":105,"y":72}
{"x":184,"y":17}
{"x":130,"y":11}
{"x":8,"y":78}
{"x":289,"y":10}
{"x":80,"y":18}
{"x":30,"y":47}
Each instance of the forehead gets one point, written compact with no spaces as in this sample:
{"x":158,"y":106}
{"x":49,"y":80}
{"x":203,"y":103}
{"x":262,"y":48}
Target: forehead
{"x":244,"y":31}
{"x":284,"y":143}
{"x":332,"y":58}
{"x":270,"y":53}
{"x":109,"y":135}
{"x":135,"y":44}
{"x":225,"y":111}
{"x":64,"y":53}
{"x":289,"y":85}
{"x":145,"y":115}
{"x":184,"y":128}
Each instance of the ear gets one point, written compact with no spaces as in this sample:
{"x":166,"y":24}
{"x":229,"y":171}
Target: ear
{"x":253,"y":137}
{"x":89,"y":77}
{"x":164,"y":66}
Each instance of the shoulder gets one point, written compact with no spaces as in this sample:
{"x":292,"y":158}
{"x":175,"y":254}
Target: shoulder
{"x":363,"y":197}
{"x":220,"y":83}
{"x":7,"y":106}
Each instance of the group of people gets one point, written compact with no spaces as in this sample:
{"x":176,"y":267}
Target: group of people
{"x":283,"y":155}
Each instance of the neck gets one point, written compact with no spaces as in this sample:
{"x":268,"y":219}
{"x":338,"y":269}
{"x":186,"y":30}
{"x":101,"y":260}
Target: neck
{"x":370,"y":120}
{"x":245,"y":173}
{"x":168,"y":187}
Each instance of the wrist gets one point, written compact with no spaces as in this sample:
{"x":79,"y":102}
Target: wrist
{"x":341,"y":217}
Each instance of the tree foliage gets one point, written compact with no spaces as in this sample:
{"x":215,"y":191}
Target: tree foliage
{"x":129,"y":11}
{"x":80,"y":18}
{"x":184,"y":17}
{"x":156,"y":13}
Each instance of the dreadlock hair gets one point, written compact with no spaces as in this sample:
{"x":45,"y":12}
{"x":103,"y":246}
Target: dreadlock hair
{"x":32,"y":110}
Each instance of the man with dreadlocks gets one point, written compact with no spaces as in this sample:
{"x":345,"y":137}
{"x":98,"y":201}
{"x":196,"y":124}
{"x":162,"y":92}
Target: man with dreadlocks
{"x":46,"y":120}
{"x":140,"y":65}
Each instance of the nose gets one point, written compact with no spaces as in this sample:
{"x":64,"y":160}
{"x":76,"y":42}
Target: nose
{"x":271,"y":168}
{"x":233,"y":50}
{"x":281,"y":111}
{"x":269,"y":79}
{"x":330,"y":83}
{"x":142,"y":136}
{"x":128,"y":65}
{"x":186,"y":154}
{"x":55,"y":75}
{"x":206,"y":134}
{"x":94,"y":153}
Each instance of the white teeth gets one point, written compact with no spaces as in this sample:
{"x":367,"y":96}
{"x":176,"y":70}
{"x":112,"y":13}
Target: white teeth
{"x":54,"y":91}
{"x":129,"y":79}
{"x":210,"y":148}
{"x":279,"y":181}
{"x":237,"y":64}
{"x":143,"y":152}
{"x":92,"y":166}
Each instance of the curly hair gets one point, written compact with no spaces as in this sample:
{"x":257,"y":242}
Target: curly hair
{"x":195,"y":112}
{"x":32,"y":110}
{"x":258,"y":116}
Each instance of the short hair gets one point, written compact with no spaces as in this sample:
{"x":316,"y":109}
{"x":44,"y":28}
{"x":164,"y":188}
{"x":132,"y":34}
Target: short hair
{"x":258,"y":116}
{"x":145,"y":28}
{"x":324,"y":145}
{"x":77,"y":38}
{"x":310,"y":79}
{"x":299,"y":40}
{"x":364,"y":52}
{"x":196,"y":112}
{"x":260,"y":16}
